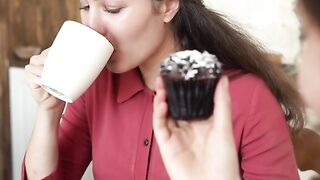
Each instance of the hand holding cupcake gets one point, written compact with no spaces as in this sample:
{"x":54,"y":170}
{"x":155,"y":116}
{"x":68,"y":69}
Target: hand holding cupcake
{"x":193,"y":142}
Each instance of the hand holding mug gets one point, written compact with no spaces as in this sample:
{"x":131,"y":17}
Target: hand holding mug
{"x":33,"y":73}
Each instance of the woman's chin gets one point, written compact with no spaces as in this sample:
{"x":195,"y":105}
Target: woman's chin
{"x":116,"y":67}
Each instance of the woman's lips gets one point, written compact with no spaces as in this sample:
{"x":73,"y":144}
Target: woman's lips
{"x":112,"y":56}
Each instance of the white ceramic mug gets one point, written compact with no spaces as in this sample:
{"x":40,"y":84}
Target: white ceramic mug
{"x":75,"y":59}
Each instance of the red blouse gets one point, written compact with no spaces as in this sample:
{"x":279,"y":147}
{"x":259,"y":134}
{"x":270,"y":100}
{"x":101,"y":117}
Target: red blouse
{"x":111,"y":124}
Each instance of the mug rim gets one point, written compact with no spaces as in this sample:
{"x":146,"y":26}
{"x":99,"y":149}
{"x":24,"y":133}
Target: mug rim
{"x":90,"y":29}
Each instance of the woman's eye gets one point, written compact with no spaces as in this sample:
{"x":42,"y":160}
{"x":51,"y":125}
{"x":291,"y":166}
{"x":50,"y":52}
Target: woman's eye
{"x":113,"y":11}
{"x":85,"y":8}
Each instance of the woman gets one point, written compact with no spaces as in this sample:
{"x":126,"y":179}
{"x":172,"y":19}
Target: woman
{"x":307,"y":143}
{"x":111,"y":124}
{"x":310,"y":66}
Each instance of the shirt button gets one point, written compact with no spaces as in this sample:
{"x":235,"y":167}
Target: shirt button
{"x":146,"y":142}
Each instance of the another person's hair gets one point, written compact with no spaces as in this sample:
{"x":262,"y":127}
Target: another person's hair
{"x":197,"y":27}
{"x":311,"y":7}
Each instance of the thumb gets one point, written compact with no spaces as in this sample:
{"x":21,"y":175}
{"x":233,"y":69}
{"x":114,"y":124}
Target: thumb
{"x":222,"y":106}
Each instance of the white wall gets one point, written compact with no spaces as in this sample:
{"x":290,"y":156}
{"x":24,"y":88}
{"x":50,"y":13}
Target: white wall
{"x":22,"y":112}
{"x":272,"y":22}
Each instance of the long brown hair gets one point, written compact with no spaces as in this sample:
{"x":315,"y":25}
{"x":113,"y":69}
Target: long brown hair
{"x":312,"y":9}
{"x":197,"y":27}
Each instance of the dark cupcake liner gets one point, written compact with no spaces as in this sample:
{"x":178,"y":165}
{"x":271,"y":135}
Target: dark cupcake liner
{"x":191,"y":99}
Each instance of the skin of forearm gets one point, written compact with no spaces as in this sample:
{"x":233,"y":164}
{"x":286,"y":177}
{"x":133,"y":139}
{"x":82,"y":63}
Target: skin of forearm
{"x":42,"y":153}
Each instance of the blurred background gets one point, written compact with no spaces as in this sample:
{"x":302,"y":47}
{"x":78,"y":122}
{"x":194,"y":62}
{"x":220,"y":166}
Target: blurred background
{"x":29,"y":26}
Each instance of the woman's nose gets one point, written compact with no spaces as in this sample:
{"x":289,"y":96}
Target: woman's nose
{"x":95,"y":21}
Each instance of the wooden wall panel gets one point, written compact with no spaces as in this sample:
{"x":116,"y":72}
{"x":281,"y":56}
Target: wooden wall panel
{"x":5,"y":146}
{"x":36,"y":22}
{"x":25,"y":23}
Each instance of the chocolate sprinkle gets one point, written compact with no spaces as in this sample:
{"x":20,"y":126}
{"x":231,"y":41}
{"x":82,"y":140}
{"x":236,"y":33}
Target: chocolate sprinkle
{"x":192,"y":64}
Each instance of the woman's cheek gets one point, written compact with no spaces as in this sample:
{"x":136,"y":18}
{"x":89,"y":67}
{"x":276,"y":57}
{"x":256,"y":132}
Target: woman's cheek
{"x":309,"y":76}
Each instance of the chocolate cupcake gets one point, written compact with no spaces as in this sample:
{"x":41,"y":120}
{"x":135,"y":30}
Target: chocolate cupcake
{"x":190,"y":78}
